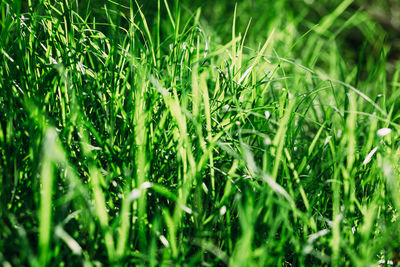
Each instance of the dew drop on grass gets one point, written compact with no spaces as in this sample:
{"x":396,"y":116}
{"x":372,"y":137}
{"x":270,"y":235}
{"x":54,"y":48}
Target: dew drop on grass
{"x":164,"y":241}
{"x":222,"y":211}
{"x":327,"y":140}
{"x":267,"y":141}
{"x":205,"y":188}
{"x":384,"y":131}
{"x":145,"y":185}
{"x":187,"y":209}
{"x":135,"y":194}
{"x":369,"y":156}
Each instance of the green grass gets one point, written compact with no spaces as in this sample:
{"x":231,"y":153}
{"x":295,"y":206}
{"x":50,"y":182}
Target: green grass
{"x":198,"y":133}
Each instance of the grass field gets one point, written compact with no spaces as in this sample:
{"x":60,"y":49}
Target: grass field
{"x":199,"y":133}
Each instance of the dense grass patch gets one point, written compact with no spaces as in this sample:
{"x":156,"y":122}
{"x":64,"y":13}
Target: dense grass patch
{"x":198,"y":133}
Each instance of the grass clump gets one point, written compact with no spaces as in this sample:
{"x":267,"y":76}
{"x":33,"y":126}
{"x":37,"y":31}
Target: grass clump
{"x":148,"y":134}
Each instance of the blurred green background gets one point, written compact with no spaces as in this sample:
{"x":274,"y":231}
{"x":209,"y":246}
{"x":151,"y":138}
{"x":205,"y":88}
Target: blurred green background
{"x":375,"y":22}
{"x":309,"y":32}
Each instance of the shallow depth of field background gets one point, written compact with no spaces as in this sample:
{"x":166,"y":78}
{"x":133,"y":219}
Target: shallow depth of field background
{"x":199,"y":133}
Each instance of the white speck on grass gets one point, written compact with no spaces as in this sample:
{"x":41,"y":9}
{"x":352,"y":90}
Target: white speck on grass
{"x":384,"y":131}
{"x":18,"y":87}
{"x":69,"y":241}
{"x":164,"y":241}
{"x":7,"y":56}
{"x":267,"y":141}
{"x":135,"y":194}
{"x":205,"y":48}
{"x":205,"y":188}
{"x":245,"y":74}
{"x":369,"y":156}
{"x":226,"y":107}
{"x":91,"y":147}
{"x":53,"y":61}
{"x":145,"y":185}
{"x":327,"y":140}
{"x":114,"y":183}
{"x":222,"y":211}
{"x":267,"y":114}
{"x":186,"y":209}
{"x":80,"y":67}
{"x":382,"y":262}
